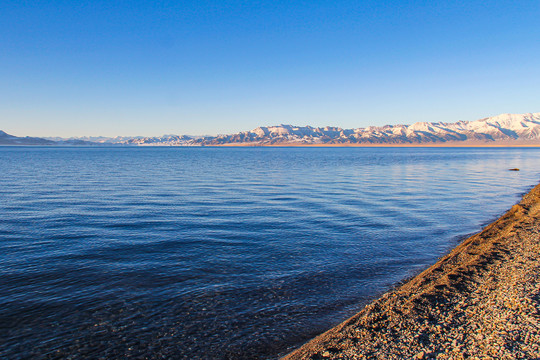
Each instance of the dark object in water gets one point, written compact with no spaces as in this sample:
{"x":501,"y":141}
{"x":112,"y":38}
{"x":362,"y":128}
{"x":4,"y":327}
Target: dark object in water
{"x":514,"y":169}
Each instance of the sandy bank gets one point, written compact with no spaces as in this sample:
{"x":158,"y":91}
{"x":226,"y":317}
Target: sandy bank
{"x":480,"y":301}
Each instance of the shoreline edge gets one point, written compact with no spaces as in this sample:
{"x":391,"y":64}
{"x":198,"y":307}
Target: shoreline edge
{"x":481,"y":300}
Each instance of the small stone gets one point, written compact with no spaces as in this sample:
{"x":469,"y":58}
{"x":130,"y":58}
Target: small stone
{"x":420,"y":355}
{"x":326,"y":354}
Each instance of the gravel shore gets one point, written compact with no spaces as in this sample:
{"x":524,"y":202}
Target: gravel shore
{"x":481,"y":301}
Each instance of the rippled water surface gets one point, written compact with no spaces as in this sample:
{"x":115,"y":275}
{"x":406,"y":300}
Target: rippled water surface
{"x":219,"y":253}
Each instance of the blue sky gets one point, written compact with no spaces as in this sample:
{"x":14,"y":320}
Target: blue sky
{"x":73,"y":68}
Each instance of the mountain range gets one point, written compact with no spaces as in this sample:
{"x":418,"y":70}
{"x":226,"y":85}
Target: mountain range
{"x":502,"y":129}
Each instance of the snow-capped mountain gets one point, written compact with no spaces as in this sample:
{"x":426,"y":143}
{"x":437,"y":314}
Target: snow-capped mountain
{"x":165,"y":140}
{"x":501,"y":129}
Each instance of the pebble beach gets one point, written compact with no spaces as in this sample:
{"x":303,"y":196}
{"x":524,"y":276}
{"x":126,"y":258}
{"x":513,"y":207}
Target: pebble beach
{"x":481,"y":301}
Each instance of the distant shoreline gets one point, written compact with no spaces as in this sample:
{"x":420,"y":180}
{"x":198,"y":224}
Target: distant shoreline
{"x":284,"y":145}
{"x":481,"y":300}
{"x":452,"y":144}
{"x":251,"y":145}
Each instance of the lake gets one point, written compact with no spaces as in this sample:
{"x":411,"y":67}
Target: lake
{"x":225,"y":253}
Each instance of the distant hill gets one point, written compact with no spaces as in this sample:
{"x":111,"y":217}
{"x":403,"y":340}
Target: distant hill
{"x":6,"y":139}
{"x":519,"y":129}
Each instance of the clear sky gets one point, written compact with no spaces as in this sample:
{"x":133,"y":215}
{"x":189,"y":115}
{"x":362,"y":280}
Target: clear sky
{"x":73,"y":68}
